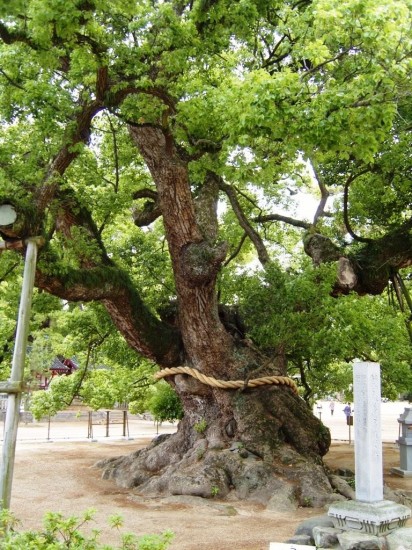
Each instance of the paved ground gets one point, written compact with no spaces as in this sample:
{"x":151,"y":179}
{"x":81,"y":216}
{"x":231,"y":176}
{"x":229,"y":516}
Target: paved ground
{"x":137,"y":428}
{"x":78,"y":430}
{"x":390,"y":413}
{"x":57,"y":474}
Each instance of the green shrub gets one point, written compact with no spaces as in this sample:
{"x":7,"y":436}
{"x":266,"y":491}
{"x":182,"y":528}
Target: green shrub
{"x":164,"y":403}
{"x":62,"y":533}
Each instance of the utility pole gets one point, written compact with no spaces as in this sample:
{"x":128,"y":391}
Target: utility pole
{"x":14,"y":386}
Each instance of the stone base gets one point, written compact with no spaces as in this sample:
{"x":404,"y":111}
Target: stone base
{"x":400,"y":472}
{"x":376,"y":518}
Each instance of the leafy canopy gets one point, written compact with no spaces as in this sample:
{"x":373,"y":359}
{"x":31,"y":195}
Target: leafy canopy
{"x":276,"y":98}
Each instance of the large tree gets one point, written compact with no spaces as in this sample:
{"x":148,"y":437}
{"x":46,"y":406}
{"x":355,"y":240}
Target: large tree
{"x":198,"y":122}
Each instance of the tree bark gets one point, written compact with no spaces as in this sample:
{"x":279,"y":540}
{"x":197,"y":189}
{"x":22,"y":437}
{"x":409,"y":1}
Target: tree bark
{"x":250,"y":443}
{"x":369,"y":270}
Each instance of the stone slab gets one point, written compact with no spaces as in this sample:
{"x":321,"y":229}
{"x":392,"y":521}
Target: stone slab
{"x":306,"y":527}
{"x":288,"y":546}
{"x":400,"y":539}
{"x":300,"y":539}
{"x":400,"y":472}
{"x":376,"y":518}
{"x":349,"y":540}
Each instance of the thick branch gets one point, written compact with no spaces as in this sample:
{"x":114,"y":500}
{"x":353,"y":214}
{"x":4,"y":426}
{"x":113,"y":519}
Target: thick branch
{"x":324,"y":193}
{"x":345,"y":207}
{"x":151,"y":209}
{"x":284,"y":219}
{"x":142,"y":330}
{"x":244,"y":223}
{"x":117,"y":98}
{"x":67,"y":154}
{"x":9,"y":36}
{"x":145,"y":193}
{"x":146,"y":215}
{"x":369,"y":270}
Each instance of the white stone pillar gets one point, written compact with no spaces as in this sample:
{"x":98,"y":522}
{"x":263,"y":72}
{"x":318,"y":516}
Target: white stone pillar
{"x":369,"y":513}
{"x":368,"y":438}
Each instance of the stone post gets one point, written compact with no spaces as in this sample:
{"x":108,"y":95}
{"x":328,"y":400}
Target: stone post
{"x":368,"y":439}
{"x":369,"y":513}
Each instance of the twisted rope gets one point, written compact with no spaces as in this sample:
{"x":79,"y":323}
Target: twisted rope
{"x":228,"y":384}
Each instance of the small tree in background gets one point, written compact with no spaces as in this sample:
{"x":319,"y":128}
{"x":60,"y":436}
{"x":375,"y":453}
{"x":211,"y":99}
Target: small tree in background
{"x":163,"y":403}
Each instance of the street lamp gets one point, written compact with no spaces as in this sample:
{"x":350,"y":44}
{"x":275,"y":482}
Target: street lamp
{"x":8,"y":214}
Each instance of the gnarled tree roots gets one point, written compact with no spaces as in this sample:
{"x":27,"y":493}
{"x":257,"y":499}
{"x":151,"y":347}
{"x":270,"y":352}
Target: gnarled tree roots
{"x":167,"y":467}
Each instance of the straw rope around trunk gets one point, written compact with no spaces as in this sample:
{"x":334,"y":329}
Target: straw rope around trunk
{"x":228,"y":384}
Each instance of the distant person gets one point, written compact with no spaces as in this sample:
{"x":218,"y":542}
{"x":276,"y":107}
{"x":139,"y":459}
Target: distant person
{"x":332,"y":407}
{"x":347,"y":410}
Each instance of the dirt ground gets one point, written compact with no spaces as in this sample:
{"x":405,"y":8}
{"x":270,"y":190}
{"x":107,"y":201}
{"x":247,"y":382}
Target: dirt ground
{"x":59,"y":476}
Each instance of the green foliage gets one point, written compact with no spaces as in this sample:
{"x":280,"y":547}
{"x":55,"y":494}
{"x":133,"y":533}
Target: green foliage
{"x":43,"y":404}
{"x":61,"y":533}
{"x":164,"y":404}
{"x":320,"y":335}
{"x":257,"y":92}
{"x":86,"y":333}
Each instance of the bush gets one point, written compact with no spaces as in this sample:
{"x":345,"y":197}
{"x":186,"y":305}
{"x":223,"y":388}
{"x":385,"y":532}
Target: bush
{"x":164,"y":403}
{"x":62,"y":533}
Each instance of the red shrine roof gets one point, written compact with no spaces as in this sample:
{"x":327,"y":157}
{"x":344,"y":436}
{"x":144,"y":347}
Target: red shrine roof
{"x":63,"y":366}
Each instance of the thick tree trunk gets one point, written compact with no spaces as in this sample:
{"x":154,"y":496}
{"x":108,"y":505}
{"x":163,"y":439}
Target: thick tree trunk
{"x":248,"y":443}
{"x":261,"y":444}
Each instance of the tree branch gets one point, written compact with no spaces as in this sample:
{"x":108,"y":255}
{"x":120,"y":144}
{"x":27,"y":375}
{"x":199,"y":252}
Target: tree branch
{"x":67,"y":154}
{"x":145,"y":193}
{"x":117,"y":97}
{"x":142,"y":330}
{"x":8,"y":271}
{"x":9,"y":36}
{"x":151,"y":209}
{"x":345,"y":207}
{"x":150,"y":212}
{"x":244,"y":223}
{"x":326,"y":62}
{"x":374,"y":263}
{"x":237,"y":250}
{"x":11,"y":81}
{"x":324,"y":193}
{"x":284,"y":219}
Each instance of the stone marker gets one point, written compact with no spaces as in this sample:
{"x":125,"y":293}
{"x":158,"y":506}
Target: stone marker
{"x":369,"y":513}
{"x":368,"y":438}
{"x":405,"y":444}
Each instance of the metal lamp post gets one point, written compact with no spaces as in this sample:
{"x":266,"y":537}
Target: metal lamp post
{"x":14,"y":386}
